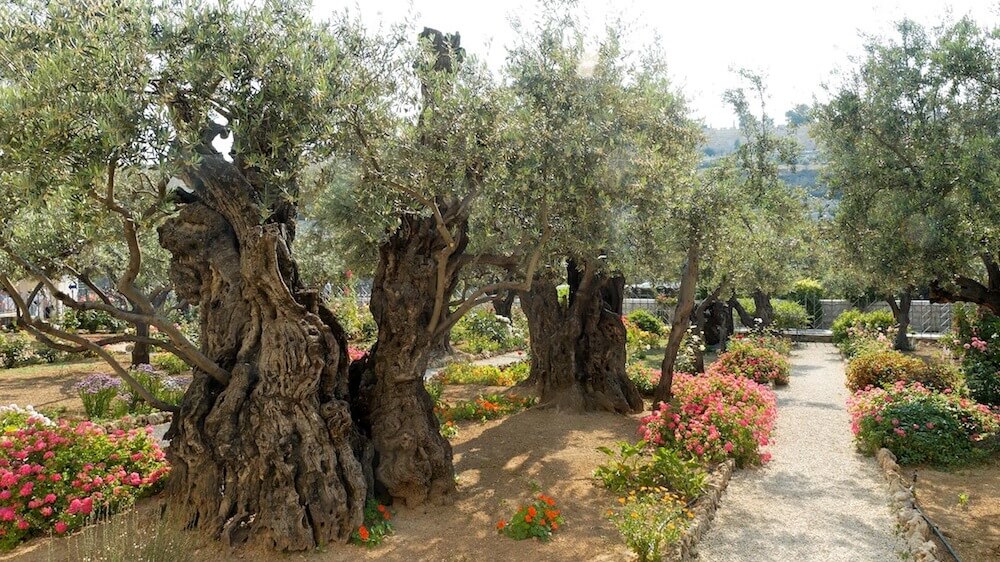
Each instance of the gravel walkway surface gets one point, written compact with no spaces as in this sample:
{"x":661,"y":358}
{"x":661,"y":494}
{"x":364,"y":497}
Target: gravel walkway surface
{"x":817,"y":500}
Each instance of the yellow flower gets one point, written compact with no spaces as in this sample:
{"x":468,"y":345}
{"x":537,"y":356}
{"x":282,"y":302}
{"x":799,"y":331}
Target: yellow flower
{"x":621,"y":501}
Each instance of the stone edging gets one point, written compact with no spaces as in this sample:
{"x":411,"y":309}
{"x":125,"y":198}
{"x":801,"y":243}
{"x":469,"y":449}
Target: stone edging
{"x":132,"y":422}
{"x":704,"y":511}
{"x":914,"y":529}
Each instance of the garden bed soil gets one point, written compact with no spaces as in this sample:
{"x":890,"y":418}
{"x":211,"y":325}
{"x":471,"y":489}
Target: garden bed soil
{"x":498,"y":463}
{"x":973,"y":529}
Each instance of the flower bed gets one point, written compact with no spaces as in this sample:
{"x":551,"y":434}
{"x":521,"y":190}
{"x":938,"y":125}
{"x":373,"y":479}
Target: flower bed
{"x":715,"y":417}
{"x":758,"y":364}
{"x":106,"y":396}
{"x":53,"y":477}
{"x":921,"y":426}
{"x":468,"y":373}
{"x":484,"y":407}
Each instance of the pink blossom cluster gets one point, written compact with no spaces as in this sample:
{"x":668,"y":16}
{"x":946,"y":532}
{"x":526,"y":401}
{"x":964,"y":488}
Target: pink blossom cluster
{"x":53,"y":477}
{"x":355,"y":353}
{"x":755,"y":363}
{"x":977,"y":344}
{"x":872,"y":402}
{"x":713,"y":417}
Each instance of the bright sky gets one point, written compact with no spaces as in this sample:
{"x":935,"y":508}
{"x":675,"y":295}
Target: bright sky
{"x":796,"y":44}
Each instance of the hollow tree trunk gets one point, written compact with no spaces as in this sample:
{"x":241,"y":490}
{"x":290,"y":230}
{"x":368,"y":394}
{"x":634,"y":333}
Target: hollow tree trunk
{"x":578,"y":351}
{"x":267,"y":454}
{"x":679,"y":325}
{"x":901,"y":314}
{"x":413,"y":461}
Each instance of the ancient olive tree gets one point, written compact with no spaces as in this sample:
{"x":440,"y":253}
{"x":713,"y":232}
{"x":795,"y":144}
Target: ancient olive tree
{"x":606,"y":140}
{"x":113,"y":111}
{"x":912,"y":139}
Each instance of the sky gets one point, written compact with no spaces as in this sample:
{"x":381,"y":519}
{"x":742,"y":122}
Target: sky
{"x":795,"y":45}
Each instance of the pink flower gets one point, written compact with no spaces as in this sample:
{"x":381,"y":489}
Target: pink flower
{"x":61,"y":527}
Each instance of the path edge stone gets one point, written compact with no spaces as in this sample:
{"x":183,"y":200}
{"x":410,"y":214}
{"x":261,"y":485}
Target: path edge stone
{"x":912,"y":526}
{"x":704,"y":509}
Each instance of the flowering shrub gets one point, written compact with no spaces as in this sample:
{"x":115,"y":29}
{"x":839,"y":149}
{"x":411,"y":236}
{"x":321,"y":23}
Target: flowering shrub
{"x":919,"y":425}
{"x":650,"y":522}
{"x":764,"y":340}
{"x":376,"y":527}
{"x":96,"y":392}
{"x":886,"y":367}
{"x":355,"y":353}
{"x":745,"y":359}
{"x":468,"y":373}
{"x":644,"y":378}
{"x":714,"y":417}
{"x":854,"y":323}
{"x":637,"y":340}
{"x":484,"y":407}
{"x":978,"y":335}
{"x":170,"y":364}
{"x":637,"y":468}
{"x":787,"y":314}
{"x":539,"y":520}
{"x":865,"y":343}
{"x":52,"y":477}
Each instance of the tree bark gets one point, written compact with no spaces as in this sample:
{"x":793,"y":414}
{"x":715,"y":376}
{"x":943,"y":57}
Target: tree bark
{"x":503,"y":304}
{"x":679,"y":325}
{"x":763,"y":308}
{"x":901,"y":313}
{"x":965,"y":289}
{"x":413,"y":461}
{"x":270,"y":454}
{"x":578,"y":351}
{"x":140,"y":350}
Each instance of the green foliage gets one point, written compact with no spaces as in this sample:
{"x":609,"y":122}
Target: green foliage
{"x":638,"y":341}
{"x":170,"y":364}
{"x":787,"y":314}
{"x":646,"y":321}
{"x":853,"y":323}
{"x":14,"y":349}
{"x":484,"y":407}
{"x":106,"y":396}
{"x":357,"y":320}
{"x":376,"y":526}
{"x":881,"y":368}
{"x":808,"y":293}
{"x":978,"y":335}
{"x":644,"y":378}
{"x":639,"y":467}
{"x":537,"y":520}
{"x":650,"y":523}
{"x":482,"y":331}
{"x":921,"y":426}
{"x":776,"y":343}
{"x":470,"y":373}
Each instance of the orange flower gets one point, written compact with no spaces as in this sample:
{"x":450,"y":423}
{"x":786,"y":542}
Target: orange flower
{"x":552,"y":513}
{"x":363,"y":533}
{"x":381,"y":508}
{"x":527,"y":518}
{"x":532,"y":511}
{"x":548,"y":501}
{"x":555,"y":526}
{"x":501,"y":524}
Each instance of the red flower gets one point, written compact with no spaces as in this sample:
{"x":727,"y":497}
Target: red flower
{"x":363,"y":533}
{"x":501,"y":524}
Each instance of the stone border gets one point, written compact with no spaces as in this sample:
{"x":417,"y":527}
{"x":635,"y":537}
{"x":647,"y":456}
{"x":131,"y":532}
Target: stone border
{"x":704,"y":511}
{"x":133,"y":422}
{"x":912,"y":526}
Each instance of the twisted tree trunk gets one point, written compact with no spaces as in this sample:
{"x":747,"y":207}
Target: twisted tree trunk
{"x":679,"y":325}
{"x":578,"y":351}
{"x":901,"y":314}
{"x":413,"y":461}
{"x":763,"y":308}
{"x":267,"y":452}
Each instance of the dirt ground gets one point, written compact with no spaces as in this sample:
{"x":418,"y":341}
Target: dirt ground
{"x":972,"y":525}
{"x":497,"y":463}
{"x":49,"y":388}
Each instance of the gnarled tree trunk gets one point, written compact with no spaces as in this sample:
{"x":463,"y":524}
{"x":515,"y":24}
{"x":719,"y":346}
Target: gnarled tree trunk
{"x":267,"y":451}
{"x":763,"y":308}
{"x":578,"y":351}
{"x":413,"y":461}
{"x":679,"y":325}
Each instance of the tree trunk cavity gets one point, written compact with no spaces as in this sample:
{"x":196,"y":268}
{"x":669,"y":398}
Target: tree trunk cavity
{"x":271,"y":456}
{"x":413,"y":461}
{"x":578,"y":349}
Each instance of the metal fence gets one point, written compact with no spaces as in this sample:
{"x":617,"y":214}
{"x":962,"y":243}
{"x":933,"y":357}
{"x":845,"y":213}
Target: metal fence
{"x":925,"y":317}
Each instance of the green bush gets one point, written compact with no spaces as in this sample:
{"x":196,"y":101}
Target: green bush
{"x":481,"y":331}
{"x":808,"y":293}
{"x":14,"y":349}
{"x":921,"y":426}
{"x":853,"y":322}
{"x":646,"y":321}
{"x":638,"y":466}
{"x":644,"y":378}
{"x":884,"y":367}
{"x":469,"y":373}
{"x":638,"y":341}
{"x":788,"y":315}
{"x":978,"y":336}
{"x":170,"y":364}
{"x":97,"y":321}
{"x":778,"y":344}
{"x":357,"y":320}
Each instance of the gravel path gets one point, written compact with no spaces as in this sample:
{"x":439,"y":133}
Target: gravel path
{"x":817,"y":500}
